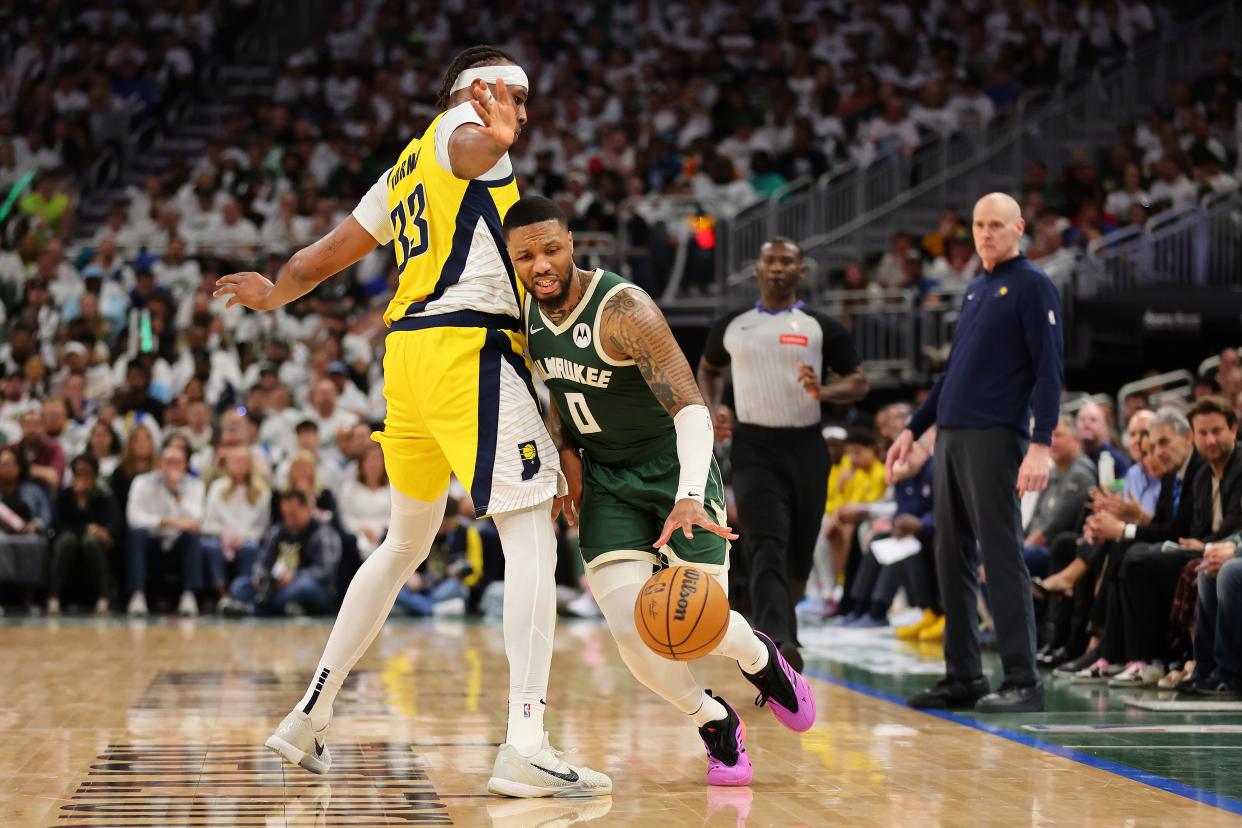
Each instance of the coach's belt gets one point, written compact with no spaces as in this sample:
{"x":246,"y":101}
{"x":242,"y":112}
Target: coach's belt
{"x":458,"y":319}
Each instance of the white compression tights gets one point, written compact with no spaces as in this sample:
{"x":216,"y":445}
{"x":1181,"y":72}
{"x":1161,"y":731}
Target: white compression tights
{"x":529,"y":543}
{"x":529,"y":613}
{"x":616,"y":586}
{"x":411,"y":529}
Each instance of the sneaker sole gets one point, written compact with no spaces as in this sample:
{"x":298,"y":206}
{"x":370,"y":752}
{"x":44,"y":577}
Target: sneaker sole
{"x":735,"y":782}
{"x":520,"y":790}
{"x":294,"y":756}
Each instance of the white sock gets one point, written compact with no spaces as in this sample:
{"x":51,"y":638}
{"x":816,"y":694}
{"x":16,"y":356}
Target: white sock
{"x":525,"y":721}
{"x":529,"y":544}
{"x":369,"y":599}
{"x":709,"y":710}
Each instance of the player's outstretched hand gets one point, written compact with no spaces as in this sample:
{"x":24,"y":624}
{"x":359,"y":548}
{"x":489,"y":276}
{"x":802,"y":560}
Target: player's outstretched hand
{"x":250,"y":290}
{"x":686,"y":514}
{"x":498,"y":111}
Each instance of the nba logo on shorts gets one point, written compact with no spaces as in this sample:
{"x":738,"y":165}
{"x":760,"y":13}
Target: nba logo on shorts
{"x":582,"y":335}
{"x":529,"y":452}
{"x":526,"y":711}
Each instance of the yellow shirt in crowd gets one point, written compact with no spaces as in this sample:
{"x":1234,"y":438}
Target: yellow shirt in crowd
{"x":861,"y":486}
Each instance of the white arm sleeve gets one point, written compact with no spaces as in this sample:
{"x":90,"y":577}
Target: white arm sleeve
{"x":461,"y":114}
{"x":695,"y":437}
{"x":372,"y":210}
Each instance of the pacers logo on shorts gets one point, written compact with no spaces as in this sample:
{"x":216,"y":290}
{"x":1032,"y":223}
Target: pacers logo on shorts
{"x":529,"y":452}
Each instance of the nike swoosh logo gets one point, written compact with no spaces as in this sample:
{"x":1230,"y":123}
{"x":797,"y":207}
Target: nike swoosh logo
{"x":572,"y":776}
{"x":537,"y":330}
{"x":318,"y":748}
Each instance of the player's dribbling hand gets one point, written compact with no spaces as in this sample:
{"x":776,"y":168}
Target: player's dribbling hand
{"x":250,"y":290}
{"x":500,"y":122}
{"x":688,"y":513}
{"x":571,"y":503}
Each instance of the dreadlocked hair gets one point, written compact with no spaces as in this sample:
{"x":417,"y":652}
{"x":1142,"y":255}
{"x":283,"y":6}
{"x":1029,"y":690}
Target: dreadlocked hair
{"x":469,"y":59}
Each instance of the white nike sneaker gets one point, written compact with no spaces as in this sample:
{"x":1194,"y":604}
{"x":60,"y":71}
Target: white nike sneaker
{"x":544,"y":774}
{"x":137,"y":605}
{"x":299,"y":744}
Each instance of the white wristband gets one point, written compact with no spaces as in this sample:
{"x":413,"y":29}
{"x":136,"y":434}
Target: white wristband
{"x":1128,"y":532}
{"x":695,"y":437}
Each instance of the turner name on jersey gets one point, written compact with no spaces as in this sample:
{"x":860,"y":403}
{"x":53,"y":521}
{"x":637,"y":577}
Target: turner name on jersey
{"x":564,"y":369}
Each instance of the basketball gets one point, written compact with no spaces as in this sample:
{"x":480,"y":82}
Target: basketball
{"x":682,"y":613}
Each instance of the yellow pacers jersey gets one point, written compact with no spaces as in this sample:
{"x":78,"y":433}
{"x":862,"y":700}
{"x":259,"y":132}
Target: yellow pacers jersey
{"x":447,"y":235}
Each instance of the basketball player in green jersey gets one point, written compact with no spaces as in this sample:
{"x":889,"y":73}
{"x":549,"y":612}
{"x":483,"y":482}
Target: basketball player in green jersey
{"x":635,"y":441}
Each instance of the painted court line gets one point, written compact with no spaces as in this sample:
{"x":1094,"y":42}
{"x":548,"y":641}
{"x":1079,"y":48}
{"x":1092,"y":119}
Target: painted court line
{"x":1132,"y":728}
{"x":1163,"y":783}
{"x":1155,"y":747}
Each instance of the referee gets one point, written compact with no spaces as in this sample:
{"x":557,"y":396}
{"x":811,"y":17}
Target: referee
{"x":1007,"y":359}
{"x":778,"y":351}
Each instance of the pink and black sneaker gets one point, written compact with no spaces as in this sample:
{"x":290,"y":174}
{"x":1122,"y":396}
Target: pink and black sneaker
{"x":786,"y":693}
{"x":725,"y":739}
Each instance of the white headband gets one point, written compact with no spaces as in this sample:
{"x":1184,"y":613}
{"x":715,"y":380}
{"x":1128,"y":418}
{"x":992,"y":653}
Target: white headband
{"x":510,"y":74}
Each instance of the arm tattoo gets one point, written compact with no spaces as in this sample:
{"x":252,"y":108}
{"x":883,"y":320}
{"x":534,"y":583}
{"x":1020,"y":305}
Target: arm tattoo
{"x":633,"y":327}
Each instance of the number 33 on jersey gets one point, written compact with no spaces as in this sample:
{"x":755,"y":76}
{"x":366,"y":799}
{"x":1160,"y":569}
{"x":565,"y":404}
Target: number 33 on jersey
{"x":446,"y":231}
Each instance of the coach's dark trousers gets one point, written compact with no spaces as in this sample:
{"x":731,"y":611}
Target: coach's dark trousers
{"x":780,"y":481}
{"x":977,"y":511}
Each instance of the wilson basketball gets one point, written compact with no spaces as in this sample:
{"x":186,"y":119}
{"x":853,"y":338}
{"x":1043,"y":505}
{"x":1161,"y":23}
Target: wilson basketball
{"x":682,"y":613}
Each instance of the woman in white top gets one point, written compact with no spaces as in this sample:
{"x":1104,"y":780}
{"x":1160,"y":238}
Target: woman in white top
{"x":366,"y":501}
{"x":237,"y":515}
{"x":104,"y":444}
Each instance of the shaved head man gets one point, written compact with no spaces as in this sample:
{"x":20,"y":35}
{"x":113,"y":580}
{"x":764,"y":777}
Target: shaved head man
{"x":1007,"y":364}
{"x":998,"y":227}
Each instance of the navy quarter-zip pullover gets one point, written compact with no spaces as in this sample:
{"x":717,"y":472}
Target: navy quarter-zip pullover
{"x":1007,"y":357}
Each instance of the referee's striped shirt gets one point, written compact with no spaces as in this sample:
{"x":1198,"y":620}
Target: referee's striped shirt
{"x":764,"y":349}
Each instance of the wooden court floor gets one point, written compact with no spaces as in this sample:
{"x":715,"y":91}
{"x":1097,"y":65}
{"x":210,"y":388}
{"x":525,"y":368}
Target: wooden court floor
{"x":108,"y":724}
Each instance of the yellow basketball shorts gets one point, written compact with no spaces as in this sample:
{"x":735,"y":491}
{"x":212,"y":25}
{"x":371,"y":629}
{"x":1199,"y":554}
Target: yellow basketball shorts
{"x":460,"y":400}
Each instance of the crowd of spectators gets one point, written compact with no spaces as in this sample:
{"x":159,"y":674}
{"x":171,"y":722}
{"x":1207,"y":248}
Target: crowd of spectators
{"x":1180,"y":154}
{"x":1133,"y":546}
{"x":160,"y":452}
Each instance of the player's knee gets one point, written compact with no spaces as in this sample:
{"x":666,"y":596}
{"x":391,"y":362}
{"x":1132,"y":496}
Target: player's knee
{"x":402,"y":547}
{"x":627,"y":637}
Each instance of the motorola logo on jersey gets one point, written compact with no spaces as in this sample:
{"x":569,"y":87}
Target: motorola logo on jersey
{"x":582,"y":334}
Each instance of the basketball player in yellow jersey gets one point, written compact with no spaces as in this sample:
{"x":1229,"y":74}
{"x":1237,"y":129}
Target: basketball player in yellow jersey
{"x":459,"y":399}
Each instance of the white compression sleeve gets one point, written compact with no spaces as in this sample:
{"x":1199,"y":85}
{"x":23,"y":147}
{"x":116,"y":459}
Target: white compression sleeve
{"x":412,"y":526}
{"x":695,"y":438}
{"x":529,"y":543}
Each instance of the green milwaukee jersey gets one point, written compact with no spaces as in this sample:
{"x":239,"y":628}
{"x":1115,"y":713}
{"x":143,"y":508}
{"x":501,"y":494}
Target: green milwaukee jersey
{"x":603,"y":402}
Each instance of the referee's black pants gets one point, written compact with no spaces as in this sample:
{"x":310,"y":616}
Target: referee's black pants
{"x":780,"y":482}
{"x":977,"y":511}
